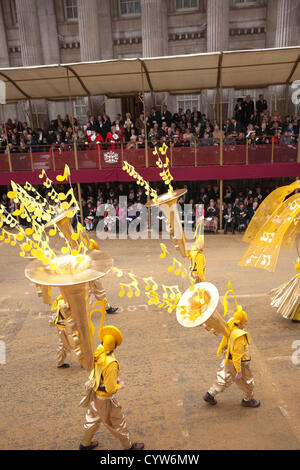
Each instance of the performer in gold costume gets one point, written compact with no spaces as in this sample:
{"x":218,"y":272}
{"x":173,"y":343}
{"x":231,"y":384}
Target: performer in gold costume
{"x":100,"y":400}
{"x":235,"y":365}
{"x":198,"y":262}
{"x":64,"y":348}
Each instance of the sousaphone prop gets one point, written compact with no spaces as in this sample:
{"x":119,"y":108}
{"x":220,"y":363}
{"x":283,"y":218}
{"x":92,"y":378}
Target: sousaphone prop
{"x":171,"y":213}
{"x":198,"y":307}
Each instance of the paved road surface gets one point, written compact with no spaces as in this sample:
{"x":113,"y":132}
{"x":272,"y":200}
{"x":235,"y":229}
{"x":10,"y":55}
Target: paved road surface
{"x":166,"y":368}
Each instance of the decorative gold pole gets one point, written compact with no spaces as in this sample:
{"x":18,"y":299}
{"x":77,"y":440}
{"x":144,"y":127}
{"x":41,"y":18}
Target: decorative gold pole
{"x":31,"y":159}
{"x":7,"y":146}
{"x":145,"y":125}
{"x":75,"y":147}
{"x":221,"y":158}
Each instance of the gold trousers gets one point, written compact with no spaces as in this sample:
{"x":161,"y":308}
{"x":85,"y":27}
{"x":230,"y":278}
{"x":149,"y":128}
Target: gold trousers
{"x":107,"y":411}
{"x":226,"y":376}
{"x":63,"y":347}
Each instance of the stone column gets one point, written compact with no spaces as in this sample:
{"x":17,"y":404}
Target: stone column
{"x":31,"y":50}
{"x":50,"y":46}
{"x":48,"y":31}
{"x":287,"y":34}
{"x":113,"y":106}
{"x":88,"y":30}
{"x":4,"y":57}
{"x":29,"y":30}
{"x":217,"y":25}
{"x":217,"y":39}
{"x":271,"y":22}
{"x":154,"y":28}
{"x":154,"y":15}
{"x":288,"y":25}
{"x":90,"y":47}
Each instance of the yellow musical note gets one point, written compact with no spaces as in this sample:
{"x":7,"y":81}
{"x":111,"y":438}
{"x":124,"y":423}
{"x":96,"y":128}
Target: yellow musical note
{"x":163,"y":150}
{"x":130,"y":286}
{"x":147,"y":281}
{"x":153,"y":298}
{"x":118,"y":272}
{"x":65,"y":176}
{"x":164,"y":250}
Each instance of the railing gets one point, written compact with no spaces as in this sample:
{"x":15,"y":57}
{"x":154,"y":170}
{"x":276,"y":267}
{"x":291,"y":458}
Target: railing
{"x":99,"y":156}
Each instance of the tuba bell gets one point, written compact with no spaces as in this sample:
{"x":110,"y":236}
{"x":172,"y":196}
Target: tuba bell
{"x":198,"y":307}
{"x":64,"y":224}
{"x":73,"y":280}
{"x":168,"y":204}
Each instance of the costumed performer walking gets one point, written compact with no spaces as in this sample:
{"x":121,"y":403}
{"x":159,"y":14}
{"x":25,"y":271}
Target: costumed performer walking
{"x":235,"y":365}
{"x":100,"y":399}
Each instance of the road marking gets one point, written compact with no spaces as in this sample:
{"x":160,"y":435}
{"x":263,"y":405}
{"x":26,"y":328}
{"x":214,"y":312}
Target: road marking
{"x":245,"y":296}
{"x":279,"y":358}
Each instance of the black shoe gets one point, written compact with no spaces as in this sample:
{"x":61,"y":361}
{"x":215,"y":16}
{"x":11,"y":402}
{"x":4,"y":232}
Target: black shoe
{"x":64,"y":366}
{"x":251,"y":404}
{"x":91,"y":446}
{"x":112,"y":309}
{"x":210,"y":399}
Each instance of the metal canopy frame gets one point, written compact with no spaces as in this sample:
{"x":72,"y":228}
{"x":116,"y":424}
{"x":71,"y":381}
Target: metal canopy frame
{"x":150,"y":68}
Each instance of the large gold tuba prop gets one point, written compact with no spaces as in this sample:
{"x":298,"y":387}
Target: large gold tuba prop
{"x":64,"y":224}
{"x":73,"y":278}
{"x":198,"y":307}
{"x":169,"y":200}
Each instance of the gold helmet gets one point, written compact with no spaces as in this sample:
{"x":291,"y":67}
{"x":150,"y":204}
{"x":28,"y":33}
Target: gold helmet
{"x":110,"y":336}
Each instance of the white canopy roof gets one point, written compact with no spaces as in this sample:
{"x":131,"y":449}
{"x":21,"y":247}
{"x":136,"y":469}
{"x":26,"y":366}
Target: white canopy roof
{"x":175,"y":74}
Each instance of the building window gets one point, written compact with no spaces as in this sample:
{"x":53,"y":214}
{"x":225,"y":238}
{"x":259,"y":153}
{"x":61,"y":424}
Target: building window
{"x":186,"y":4}
{"x":81,"y":109}
{"x":130,"y":7}
{"x":71,"y":10}
{"x":246,"y":3}
{"x":188,"y":102}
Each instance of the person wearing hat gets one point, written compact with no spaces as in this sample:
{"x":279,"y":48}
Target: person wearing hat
{"x":235,"y":365}
{"x":100,"y":400}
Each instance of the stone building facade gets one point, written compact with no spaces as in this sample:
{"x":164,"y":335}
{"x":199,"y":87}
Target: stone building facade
{"x":34,"y":32}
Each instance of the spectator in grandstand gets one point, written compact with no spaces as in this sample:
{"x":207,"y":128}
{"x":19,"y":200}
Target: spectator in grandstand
{"x":241,"y":217}
{"x":229,"y":218}
{"x":140,"y":123}
{"x":166,"y":116}
{"x":226,"y":126}
{"x":239,"y":111}
{"x":235,"y":126}
{"x":261,"y":105}
{"x":211,"y":217}
{"x":217,"y":134}
{"x":287,"y":137}
{"x":154,"y":118}
{"x":177,"y":117}
{"x":229,"y":139}
{"x":248,"y":109}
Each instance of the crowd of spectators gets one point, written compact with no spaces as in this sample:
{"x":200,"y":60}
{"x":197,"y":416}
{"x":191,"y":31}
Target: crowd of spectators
{"x":101,"y":201}
{"x":251,"y":123}
{"x":238,"y":208}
